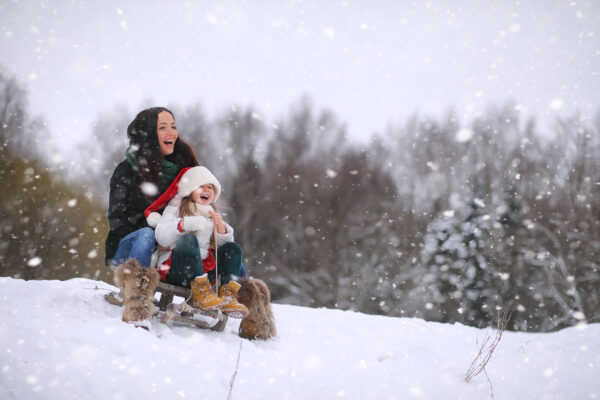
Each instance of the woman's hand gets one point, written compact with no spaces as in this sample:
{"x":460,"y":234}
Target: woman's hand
{"x":218,"y":220}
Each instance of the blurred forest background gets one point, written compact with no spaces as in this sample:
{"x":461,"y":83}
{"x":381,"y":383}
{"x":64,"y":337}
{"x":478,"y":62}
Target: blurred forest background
{"x":430,"y":219}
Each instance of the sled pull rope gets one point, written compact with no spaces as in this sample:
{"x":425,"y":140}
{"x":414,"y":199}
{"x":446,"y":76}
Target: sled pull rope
{"x":216,"y":261}
{"x":237,"y":364}
{"x":207,"y":215}
{"x":216,"y":253}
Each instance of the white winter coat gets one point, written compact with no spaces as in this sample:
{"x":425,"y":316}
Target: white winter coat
{"x":167,"y":234}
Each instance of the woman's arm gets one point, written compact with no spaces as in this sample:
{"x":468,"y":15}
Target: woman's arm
{"x":118,"y":202}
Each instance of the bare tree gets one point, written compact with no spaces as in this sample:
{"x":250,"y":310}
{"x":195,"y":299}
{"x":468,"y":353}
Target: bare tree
{"x":487,"y":347}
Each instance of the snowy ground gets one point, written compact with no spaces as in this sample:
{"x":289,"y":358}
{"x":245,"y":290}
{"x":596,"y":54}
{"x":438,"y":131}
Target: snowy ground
{"x":61,"y":340}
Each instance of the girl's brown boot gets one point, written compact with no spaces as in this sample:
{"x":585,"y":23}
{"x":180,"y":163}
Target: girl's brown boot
{"x":203,"y":296}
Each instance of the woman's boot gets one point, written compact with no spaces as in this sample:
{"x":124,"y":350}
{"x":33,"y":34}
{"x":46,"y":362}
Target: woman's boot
{"x":138,"y":285}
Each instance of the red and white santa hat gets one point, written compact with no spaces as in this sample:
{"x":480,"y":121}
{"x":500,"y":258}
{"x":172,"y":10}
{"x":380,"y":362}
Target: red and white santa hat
{"x":188,"y":180}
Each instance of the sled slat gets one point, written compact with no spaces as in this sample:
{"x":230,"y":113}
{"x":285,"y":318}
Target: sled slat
{"x":174,"y":313}
{"x":176,"y":290}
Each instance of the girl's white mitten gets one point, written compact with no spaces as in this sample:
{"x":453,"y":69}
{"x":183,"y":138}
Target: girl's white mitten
{"x":195,"y":223}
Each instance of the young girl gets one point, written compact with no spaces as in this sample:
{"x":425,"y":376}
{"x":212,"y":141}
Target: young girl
{"x":191,"y":228}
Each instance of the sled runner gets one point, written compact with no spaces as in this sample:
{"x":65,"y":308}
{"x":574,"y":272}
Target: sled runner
{"x":182,"y":312}
{"x":185,"y":311}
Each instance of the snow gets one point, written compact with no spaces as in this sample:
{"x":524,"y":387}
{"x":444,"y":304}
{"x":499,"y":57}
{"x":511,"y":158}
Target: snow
{"x":464,"y":135}
{"x":61,"y":340}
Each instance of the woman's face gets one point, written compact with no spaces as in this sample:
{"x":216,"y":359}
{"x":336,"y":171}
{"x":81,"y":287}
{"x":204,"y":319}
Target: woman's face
{"x":204,"y":195}
{"x":167,"y":133}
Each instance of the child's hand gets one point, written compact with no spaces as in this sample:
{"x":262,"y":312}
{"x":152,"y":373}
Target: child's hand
{"x":218,"y":220}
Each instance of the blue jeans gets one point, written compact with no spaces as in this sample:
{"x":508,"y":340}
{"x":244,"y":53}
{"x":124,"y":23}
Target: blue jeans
{"x":138,"y":245}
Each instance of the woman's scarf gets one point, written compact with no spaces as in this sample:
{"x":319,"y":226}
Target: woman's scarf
{"x":168,"y":169}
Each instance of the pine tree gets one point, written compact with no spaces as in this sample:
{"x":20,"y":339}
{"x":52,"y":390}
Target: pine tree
{"x":462,"y":282}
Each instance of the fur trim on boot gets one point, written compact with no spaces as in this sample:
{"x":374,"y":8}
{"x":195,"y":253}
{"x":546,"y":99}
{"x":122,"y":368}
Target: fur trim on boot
{"x":138,"y":285}
{"x":259,"y":324}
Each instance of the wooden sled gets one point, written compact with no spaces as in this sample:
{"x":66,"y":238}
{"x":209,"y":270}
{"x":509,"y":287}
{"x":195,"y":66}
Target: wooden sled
{"x":182,"y":312}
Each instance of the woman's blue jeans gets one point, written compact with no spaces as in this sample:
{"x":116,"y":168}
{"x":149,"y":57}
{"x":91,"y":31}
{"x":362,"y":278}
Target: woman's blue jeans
{"x":138,"y":245}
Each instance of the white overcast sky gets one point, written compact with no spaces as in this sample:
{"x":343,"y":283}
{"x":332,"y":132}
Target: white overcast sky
{"x":371,"y":62}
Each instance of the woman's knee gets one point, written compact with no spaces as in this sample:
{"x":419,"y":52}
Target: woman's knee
{"x":146,"y":236}
{"x":146,"y":232}
{"x":145,"y":240}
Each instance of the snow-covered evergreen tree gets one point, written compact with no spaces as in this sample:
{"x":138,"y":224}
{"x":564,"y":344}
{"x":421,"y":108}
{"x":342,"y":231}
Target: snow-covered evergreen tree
{"x":463,"y":281}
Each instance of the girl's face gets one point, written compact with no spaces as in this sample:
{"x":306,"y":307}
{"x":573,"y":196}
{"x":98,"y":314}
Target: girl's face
{"x":167,"y":133}
{"x":204,"y":195}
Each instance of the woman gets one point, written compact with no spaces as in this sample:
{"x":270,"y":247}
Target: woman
{"x":153,"y":159}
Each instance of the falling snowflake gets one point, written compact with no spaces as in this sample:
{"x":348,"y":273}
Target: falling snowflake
{"x":34,"y":262}
{"x":463,"y":135}
{"x":149,"y":189}
{"x":556,"y":104}
{"x":433,"y":166}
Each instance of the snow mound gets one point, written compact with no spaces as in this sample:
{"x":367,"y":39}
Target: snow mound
{"x":61,"y":340}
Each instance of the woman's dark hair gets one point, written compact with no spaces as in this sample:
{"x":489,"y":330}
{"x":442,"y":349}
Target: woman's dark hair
{"x":144,"y":140}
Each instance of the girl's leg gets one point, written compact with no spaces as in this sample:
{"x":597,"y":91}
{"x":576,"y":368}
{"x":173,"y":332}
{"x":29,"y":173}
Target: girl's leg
{"x":186,"y":262}
{"x":230,"y":265}
{"x":138,"y":245}
{"x":230,"y":262}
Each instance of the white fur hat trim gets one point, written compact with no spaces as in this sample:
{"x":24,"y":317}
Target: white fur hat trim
{"x":196,"y":177}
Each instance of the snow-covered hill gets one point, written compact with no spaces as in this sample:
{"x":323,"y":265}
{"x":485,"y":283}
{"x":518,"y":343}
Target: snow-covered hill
{"x":61,"y":340}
